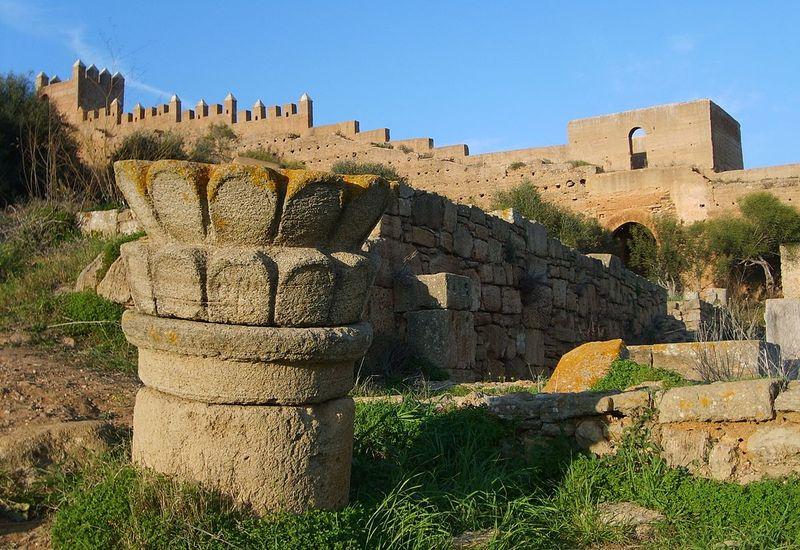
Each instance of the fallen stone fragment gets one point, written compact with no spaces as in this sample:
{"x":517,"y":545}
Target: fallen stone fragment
{"x":580,"y":368}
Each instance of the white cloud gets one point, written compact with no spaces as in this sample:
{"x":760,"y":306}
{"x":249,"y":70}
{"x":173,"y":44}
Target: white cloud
{"x":33,"y":20}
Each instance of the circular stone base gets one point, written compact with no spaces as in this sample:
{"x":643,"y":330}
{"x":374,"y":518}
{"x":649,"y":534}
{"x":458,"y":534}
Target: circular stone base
{"x":268,"y":457}
{"x":216,"y":380}
{"x":239,"y":364}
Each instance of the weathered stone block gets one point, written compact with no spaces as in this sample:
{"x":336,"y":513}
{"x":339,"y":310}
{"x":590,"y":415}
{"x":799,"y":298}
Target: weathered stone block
{"x":685,"y":448}
{"x":448,"y":291}
{"x":355,"y":274}
{"x":790,"y":270}
{"x":305,"y":287}
{"x":269,"y":457}
{"x":114,"y":286}
{"x":783,"y":327}
{"x":699,"y":360}
{"x":719,"y":402}
{"x":241,"y":285}
{"x":178,"y":191}
{"x":137,"y":260}
{"x":446,"y":338}
{"x":243,"y":204}
{"x":178,"y":281}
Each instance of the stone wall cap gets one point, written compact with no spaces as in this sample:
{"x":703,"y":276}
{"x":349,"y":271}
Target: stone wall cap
{"x":719,"y":402}
{"x":321,"y":344}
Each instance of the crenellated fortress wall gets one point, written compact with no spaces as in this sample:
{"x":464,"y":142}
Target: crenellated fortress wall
{"x":684,"y":159}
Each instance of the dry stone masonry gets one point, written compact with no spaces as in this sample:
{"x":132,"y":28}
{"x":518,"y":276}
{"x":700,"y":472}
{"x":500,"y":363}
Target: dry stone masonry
{"x":491,"y":296}
{"x":249,"y":291}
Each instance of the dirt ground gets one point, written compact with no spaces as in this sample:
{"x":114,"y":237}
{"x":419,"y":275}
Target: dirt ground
{"x":41,"y":387}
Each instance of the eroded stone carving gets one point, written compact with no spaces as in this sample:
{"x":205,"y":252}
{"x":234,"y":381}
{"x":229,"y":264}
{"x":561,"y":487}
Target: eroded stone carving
{"x":249,"y":292}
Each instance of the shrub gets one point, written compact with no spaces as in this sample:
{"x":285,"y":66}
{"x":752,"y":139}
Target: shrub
{"x":405,"y":149}
{"x":625,"y":373}
{"x":268,"y":156}
{"x":39,"y":156}
{"x":150,"y":145}
{"x":216,"y":145}
{"x":350,"y":167}
{"x":382,"y":145}
{"x":516,"y":165}
{"x":575,"y":230}
{"x":30,"y":230}
{"x":261,"y":154}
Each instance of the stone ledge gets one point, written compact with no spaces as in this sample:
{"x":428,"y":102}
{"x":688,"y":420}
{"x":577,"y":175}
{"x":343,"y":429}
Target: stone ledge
{"x":719,"y":402}
{"x":244,"y":342}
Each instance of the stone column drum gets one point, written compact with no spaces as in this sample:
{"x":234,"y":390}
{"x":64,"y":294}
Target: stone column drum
{"x":249,"y":291}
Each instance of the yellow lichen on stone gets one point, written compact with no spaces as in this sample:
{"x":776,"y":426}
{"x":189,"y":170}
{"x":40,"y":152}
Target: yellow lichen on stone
{"x":196,"y":173}
{"x":136,"y":171}
{"x":357,"y":185}
{"x":300,"y":179}
{"x":259,"y":176}
{"x":580,"y":368}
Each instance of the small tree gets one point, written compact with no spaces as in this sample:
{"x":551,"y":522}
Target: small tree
{"x":755,"y":238}
{"x":38,"y":155}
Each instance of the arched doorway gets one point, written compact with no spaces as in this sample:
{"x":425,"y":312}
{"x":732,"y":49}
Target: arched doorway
{"x":636,"y":246}
{"x":637,"y":138}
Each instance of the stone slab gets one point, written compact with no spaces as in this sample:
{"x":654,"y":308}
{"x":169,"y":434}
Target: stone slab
{"x":248,"y":343}
{"x":580,"y":368}
{"x":696,"y":360}
{"x":719,"y":402}
{"x":783,"y":326}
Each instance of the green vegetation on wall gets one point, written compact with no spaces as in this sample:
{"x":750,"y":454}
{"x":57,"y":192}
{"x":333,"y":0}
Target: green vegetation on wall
{"x":576,"y":230}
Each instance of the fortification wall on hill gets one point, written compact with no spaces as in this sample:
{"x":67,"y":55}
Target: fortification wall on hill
{"x":689,"y":154}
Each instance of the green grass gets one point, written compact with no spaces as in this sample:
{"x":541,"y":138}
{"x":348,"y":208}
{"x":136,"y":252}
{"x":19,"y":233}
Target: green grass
{"x":421,"y":476}
{"x":35,"y":297}
{"x":625,"y":373}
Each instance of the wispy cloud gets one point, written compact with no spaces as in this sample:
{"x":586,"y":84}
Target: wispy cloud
{"x":33,"y":20}
{"x":682,"y":44}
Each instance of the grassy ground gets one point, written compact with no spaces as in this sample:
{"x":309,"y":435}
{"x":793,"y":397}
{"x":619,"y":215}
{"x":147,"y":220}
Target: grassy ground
{"x":421,"y":477}
{"x":41,"y":255}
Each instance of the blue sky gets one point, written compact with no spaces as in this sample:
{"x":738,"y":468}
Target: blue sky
{"x":496,"y":75}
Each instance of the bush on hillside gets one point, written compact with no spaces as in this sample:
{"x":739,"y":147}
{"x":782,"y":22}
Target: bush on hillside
{"x":576,"y":230}
{"x":147,"y":145}
{"x":349,"y":167}
{"x":216,"y":145}
{"x":38,"y":156}
{"x":268,"y":156}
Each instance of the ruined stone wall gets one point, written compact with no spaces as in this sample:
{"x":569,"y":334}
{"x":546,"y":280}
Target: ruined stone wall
{"x":531,"y":298}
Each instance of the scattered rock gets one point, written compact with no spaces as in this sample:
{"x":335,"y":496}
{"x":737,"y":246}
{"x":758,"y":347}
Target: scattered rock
{"x":580,"y":368}
{"x":89,"y":278}
{"x":16,"y":338}
{"x":114,"y":286}
{"x":629,"y":514}
{"x":473,"y":539}
{"x":789,"y":399}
